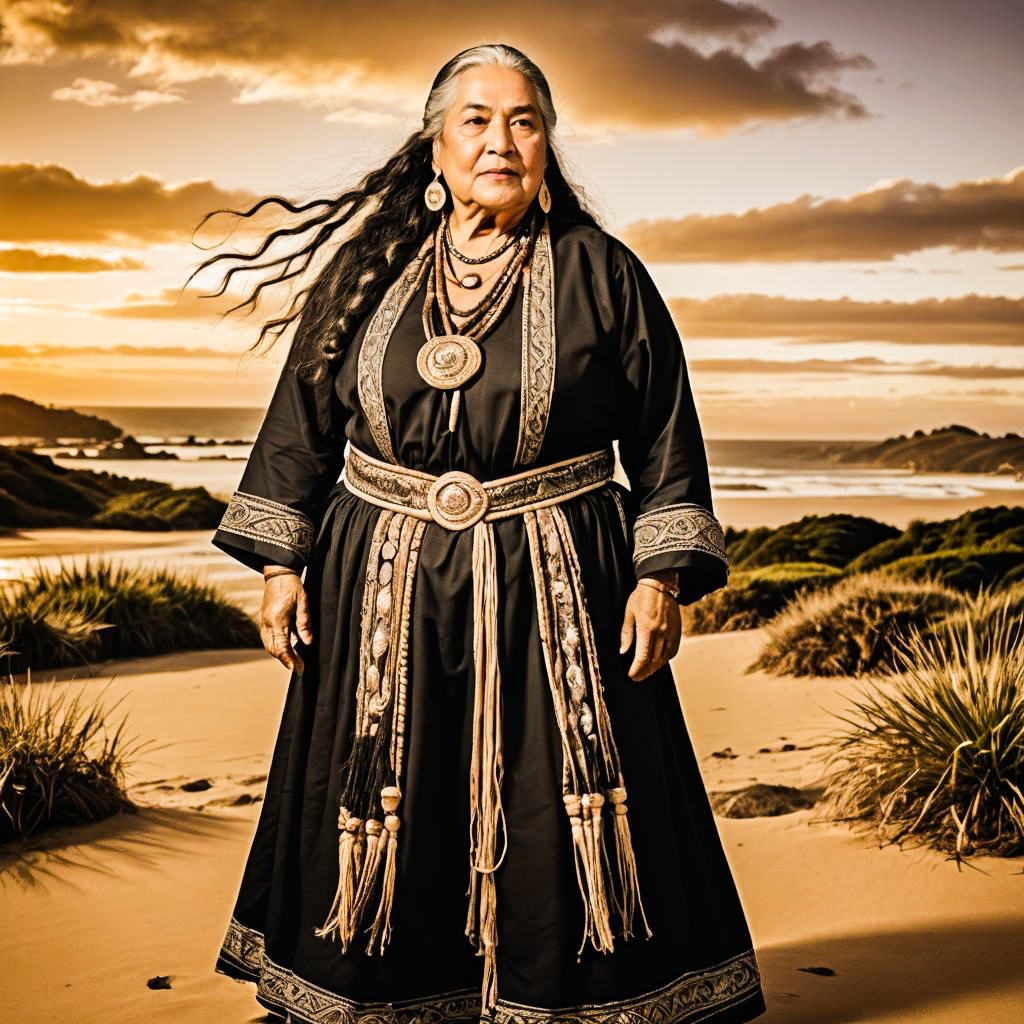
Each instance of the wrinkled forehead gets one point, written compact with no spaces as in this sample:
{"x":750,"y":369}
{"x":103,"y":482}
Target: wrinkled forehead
{"x":490,"y":90}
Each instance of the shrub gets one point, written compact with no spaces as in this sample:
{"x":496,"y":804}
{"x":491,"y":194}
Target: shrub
{"x":848,"y":629}
{"x":941,"y":755}
{"x":101,"y":610}
{"x":55,"y":767}
{"x":754,"y":596}
{"x":833,"y":540}
{"x":966,"y":569}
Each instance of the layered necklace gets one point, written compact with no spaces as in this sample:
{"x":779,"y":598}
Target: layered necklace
{"x":447,"y":360}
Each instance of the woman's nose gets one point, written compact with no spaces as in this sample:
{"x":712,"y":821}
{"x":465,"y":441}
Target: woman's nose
{"x":499,"y":136}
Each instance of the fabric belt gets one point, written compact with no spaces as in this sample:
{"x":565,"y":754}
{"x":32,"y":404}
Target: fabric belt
{"x":591,"y":774}
{"x":457,"y":500}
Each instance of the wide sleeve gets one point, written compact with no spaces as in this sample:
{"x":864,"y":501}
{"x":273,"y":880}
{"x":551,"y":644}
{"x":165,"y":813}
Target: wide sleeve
{"x":296,"y":459}
{"x":661,"y":446}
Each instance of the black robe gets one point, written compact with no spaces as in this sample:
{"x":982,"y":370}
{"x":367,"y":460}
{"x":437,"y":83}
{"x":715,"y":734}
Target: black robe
{"x":603,"y":362}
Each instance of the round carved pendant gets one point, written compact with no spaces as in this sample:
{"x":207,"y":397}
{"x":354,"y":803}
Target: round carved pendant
{"x":448,"y":360}
{"x":457,"y":500}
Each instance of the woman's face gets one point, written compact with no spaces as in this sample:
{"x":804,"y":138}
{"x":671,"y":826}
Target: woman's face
{"x":493,"y":123}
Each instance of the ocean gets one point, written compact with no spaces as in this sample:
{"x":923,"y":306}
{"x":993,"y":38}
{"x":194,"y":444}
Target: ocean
{"x":784,"y":468}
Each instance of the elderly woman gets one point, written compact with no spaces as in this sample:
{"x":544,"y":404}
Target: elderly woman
{"x":483,"y":802}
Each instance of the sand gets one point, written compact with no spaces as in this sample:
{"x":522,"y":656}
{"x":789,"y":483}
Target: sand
{"x":92,"y":912}
{"x":102,"y":908}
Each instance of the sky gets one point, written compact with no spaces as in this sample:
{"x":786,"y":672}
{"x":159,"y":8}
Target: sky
{"x":830,"y":196}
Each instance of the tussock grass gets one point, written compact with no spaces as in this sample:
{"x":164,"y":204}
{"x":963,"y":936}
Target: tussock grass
{"x":74,"y":615}
{"x":60,"y":764}
{"x":849,"y":629}
{"x":939,"y":750}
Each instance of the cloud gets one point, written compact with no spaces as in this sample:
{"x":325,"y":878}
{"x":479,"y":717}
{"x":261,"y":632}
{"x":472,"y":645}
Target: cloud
{"x":29,"y":261}
{"x":845,"y":367}
{"x":93,"y":92}
{"x":966,"y":319}
{"x":46,"y":352}
{"x":365,"y":118}
{"x":350,"y":55}
{"x":171,"y":304}
{"x":47,"y":202}
{"x":889,"y":219}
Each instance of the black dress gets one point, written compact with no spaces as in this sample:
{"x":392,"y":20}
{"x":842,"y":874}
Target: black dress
{"x":591,"y":356}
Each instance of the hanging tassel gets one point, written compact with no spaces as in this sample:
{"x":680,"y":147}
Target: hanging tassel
{"x":486,"y":768}
{"x":389,"y":798}
{"x":341,"y":907}
{"x":581,"y":854}
{"x":367,"y":872}
{"x":626,"y":862}
{"x":601,"y":882}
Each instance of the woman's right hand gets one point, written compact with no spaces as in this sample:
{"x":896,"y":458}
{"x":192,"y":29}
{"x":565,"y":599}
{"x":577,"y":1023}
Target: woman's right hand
{"x":284,"y":603}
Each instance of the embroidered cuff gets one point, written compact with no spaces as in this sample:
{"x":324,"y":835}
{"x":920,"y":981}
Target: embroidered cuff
{"x":267,"y":522}
{"x":677,"y":528}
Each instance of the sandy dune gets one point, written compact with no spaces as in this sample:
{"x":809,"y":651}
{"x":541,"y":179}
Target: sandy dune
{"x":100,"y":909}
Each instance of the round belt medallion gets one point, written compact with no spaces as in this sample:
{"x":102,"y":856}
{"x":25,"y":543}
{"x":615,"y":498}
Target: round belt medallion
{"x":448,"y":360}
{"x":456,"y":500}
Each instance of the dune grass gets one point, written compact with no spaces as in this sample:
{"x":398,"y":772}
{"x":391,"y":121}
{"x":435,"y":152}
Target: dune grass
{"x":849,"y":628}
{"x":75,"y":615}
{"x":938,"y":751}
{"x":61,"y":763}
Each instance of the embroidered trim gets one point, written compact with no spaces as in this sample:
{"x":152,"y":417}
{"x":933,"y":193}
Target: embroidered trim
{"x":680,"y":527}
{"x":250,"y":515}
{"x":315,"y":1005}
{"x":687,"y":998}
{"x":539,"y":352}
{"x":622,"y":513}
{"x":375,"y":343}
{"x":537,"y":360}
{"x":690,"y":997}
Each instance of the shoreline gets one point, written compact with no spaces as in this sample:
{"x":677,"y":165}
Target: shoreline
{"x":745,"y":512}
{"x":738,"y":512}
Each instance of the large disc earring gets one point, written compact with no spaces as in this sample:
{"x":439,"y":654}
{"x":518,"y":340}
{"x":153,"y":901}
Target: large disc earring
{"x":434,"y":195}
{"x":544,"y":196}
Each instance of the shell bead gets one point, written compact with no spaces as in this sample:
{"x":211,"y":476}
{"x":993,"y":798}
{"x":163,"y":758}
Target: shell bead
{"x":381,"y":638}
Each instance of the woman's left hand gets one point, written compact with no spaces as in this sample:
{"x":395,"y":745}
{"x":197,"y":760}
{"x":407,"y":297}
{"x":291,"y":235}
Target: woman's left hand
{"x":652,"y":617}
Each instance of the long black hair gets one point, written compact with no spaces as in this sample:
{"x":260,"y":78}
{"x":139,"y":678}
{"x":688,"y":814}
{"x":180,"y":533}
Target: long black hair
{"x":387,"y":222}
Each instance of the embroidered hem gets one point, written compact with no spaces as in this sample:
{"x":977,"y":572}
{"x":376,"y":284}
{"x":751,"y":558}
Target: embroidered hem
{"x":709,"y":993}
{"x":683,"y":526}
{"x":249,"y":515}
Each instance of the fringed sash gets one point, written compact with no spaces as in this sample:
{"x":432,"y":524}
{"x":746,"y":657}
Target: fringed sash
{"x":592,"y":779}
